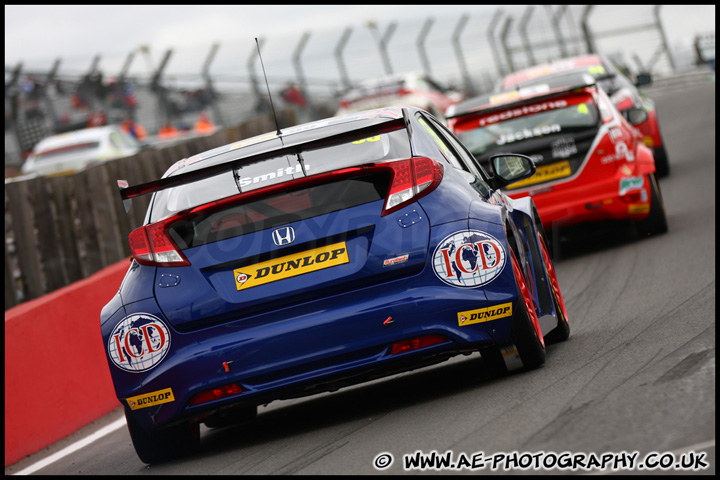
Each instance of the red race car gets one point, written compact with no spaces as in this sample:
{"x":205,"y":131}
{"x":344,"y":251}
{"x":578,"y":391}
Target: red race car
{"x":591,"y":162}
{"x":623,"y":93}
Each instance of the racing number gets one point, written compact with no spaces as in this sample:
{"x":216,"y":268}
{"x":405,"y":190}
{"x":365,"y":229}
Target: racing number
{"x":370,"y":139}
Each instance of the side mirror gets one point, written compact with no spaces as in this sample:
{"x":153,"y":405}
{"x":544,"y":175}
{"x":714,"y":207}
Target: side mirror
{"x":511,"y":167}
{"x":636,"y":116}
{"x":643,"y":79}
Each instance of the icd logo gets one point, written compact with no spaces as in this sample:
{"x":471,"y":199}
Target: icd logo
{"x":138,"y":343}
{"x":469,"y":259}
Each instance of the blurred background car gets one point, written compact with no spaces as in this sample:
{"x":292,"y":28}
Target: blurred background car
{"x":400,"y":89}
{"x":622,"y":91}
{"x":70,"y":152}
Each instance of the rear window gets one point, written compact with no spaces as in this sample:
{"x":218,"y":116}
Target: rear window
{"x":499,"y":131}
{"x":279,"y":209}
{"x":387,"y":146}
{"x":66,"y":149}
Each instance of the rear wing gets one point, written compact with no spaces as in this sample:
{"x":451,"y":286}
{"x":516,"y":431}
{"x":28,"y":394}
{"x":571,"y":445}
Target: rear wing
{"x":521,"y":101}
{"x":127,"y":193}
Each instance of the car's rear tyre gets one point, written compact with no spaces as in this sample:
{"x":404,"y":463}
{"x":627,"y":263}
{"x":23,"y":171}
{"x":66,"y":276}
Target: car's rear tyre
{"x":562,"y":331}
{"x":166,"y":444}
{"x":525,"y":331}
{"x":656,"y":222}
{"x":662,"y":164}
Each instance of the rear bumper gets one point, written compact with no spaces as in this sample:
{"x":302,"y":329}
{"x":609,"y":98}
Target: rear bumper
{"x":313,"y":347}
{"x":620,"y":197}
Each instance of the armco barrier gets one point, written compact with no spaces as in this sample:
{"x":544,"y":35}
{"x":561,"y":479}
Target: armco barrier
{"x":57,"y":377}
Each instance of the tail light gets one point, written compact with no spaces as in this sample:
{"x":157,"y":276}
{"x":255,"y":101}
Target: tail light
{"x":152,"y":245}
{"x":411,"y":180}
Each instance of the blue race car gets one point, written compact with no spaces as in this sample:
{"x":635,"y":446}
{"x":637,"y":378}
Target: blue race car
{"x":321,"y":256}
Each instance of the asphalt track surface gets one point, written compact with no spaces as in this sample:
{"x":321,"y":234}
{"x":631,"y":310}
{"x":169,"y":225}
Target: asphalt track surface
{"x":636,"y":375}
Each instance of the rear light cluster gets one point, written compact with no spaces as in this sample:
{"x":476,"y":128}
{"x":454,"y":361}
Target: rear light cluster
{"x":412,"y":179}
{"x":152,"y":245}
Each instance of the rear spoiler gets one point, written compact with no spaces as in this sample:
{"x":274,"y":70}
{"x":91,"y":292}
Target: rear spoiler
{"x":127,"y":193}
{"x":504,"y":106}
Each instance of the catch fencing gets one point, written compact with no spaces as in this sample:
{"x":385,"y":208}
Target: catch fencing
{"x":310,"y":70}
{"x":62,"y":229}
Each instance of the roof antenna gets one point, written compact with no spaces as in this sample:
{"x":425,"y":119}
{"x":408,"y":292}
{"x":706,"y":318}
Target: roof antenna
{"x":268,"y":89}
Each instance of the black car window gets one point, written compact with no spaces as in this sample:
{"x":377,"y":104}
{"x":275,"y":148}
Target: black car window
{"x":440,"y":143}
{"x":463,"y":160}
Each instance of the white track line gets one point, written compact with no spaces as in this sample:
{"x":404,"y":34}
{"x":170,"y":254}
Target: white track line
{"x":120,"y":422}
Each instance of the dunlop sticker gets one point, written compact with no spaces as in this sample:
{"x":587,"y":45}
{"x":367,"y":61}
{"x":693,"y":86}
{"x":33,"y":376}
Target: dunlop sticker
{"x":290,"y":266}
{"x":545,"y":173}
{"x":485,"y":314}
{"x":150,"y":399}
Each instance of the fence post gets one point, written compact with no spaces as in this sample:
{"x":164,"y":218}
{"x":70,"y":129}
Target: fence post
{"x":663,"y":38}
{"x":338,"y":57}
{"x":161,"y":90}
{"x":251,"y":71}
{"x":126,"y":66}
{"x":506,"y":48}
{"x":458,"y":53}
{"x":48,"y":102}
{"x":209,"y":84}
{"x":589,"y":42}
{"x":522,"y":27}
{"x":23,"y":224}
{"x":421,"y":45}
{"x":382,"y":41}
{"x":297,"y":64}
{"x":555,"y":22}
{"x":493,"y":43}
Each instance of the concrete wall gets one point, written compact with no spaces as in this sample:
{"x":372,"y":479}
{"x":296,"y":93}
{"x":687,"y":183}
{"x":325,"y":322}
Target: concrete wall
{"x":57,"y":377}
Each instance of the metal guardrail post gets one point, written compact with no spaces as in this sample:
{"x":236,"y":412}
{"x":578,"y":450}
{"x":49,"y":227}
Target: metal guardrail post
{"x":421,"y":45}
{"x":338,"y":57}
{"x":93,"y":68}
{"x":555,"y":22}
{"x":504,"y":38}
{"x":493,"y":43}
{"x":302,"y":83}
{"x":161,"y":90}
{"x":251,"y":73}
{"x":382,"y":41}
{"x":48,"y":102}
{"x":209,"y":84}
{"x":126,"y":66}
{"x":459,"y":54}
{"x":522,"y":27}
{"x":663,"y":38}
{"x":589,"y":42}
